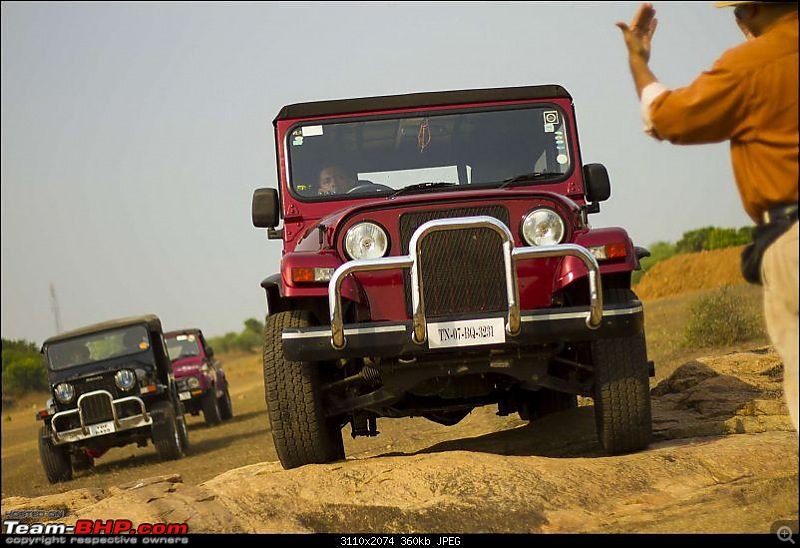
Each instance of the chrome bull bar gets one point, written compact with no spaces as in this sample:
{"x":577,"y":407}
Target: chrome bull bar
{"x":510,"y":256}
{"x":79,"y":410}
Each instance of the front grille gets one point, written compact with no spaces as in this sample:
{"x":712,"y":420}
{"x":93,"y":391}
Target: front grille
{"x":96,"y":408}
{"x":95,"y":383}
{"x":462,"y":270}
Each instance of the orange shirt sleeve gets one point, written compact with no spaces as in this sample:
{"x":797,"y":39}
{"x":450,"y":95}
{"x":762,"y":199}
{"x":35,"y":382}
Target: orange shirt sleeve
{"x":709,"y":110}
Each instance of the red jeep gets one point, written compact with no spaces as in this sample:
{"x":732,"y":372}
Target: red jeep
{"x":199,"y":377}
{"x":437,"y":256}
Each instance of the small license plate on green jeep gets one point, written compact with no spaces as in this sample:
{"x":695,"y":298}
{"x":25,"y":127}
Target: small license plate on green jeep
{"x":466,"y":333}
{"x":102,"y":428}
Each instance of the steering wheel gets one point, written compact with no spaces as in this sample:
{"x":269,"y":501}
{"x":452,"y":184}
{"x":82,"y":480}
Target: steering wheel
{"x":362,"y":186}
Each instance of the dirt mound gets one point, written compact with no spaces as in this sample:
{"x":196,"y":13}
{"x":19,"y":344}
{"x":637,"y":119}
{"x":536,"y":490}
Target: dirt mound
{"x":691,"y":272}
{"x":547,"y":476}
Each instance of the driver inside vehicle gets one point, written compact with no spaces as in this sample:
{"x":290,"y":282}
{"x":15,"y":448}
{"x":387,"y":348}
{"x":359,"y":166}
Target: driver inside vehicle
{"x":335,"y":180}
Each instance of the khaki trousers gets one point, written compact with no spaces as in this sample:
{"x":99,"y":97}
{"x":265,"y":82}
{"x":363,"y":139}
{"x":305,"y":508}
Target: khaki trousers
{"x":779,"y":272}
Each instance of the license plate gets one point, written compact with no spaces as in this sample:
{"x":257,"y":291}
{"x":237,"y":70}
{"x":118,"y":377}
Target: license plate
{"x":466,"y":333}
{"x":185,"y":396}
{"x":102,"y":428}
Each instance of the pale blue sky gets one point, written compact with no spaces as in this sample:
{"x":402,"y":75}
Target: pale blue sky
{"x":133,"y":135}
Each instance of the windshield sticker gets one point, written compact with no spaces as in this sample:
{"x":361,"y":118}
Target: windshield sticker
{"x":561,"y":159}
{"x":297,"y":141}
{"x":550,"y":116}
{"x":549,"y":128}
{"x":424,"y":135}
{"x":311,"y":131}
{"x":181,"y":337}
{"x":143,"y":345}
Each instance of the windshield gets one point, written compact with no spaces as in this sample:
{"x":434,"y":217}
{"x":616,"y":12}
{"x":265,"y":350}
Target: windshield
{"x":97,"y":347}
{"x":468,"y":149}
{"x":183,"y":346}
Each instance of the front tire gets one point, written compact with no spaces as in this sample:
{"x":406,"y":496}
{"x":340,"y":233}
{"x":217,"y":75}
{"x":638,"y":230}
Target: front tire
{"x":226,"y":405}
{"x":300,"y":430}
{"x":622,"y":388}
{"x":211,"y":412}
{"x":166,"y":432}
{"x":55,"y":459}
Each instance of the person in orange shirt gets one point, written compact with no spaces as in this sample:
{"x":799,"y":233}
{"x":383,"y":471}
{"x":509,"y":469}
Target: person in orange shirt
{"x":749,"y":97}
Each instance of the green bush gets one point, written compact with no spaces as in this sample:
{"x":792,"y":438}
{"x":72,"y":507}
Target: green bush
{"x":721,"y":319}
{"x":248,"y":340}
{"x":25,"y":375}
{"x":23,"y":367}
{"x":712,"y":237}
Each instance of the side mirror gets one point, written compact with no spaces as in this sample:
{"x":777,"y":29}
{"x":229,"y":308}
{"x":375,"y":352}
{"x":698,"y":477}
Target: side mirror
{"x":266,"y":210}
{"x":209,"y":352}
{"x":598,"y":185}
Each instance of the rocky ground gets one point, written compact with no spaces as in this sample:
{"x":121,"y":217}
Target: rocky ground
{"x":725,"y":459}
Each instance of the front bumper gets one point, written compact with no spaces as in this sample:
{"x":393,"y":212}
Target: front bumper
{"x":534,"y":327}
{"x":393,"y":339}
{"x":190,"y":395}
{"x":117,"y":424}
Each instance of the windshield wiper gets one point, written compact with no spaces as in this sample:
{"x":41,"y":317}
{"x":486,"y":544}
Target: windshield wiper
{"x":420,"y":187}
{"x":532,"y":176}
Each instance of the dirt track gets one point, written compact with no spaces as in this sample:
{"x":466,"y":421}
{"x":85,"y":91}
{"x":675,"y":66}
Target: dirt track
{"x":724,"y":460}
{"x":498,"y":474}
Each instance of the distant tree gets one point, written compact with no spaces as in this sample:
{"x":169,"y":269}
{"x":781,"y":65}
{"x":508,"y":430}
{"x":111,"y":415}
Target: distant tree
{"x":252,"y":324}
{"x":248,"y":340}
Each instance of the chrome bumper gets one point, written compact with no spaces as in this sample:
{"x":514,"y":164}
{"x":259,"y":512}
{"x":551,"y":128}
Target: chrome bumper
{"x":120,"y":424}
{"x":412,"y":262}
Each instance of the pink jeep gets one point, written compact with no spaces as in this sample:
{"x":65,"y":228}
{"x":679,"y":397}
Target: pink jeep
{"x":201,"y":381}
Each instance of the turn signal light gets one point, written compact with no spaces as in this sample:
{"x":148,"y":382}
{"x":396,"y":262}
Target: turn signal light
{"x":311,"y":275}
{"x":41,"y":415}
{"x":617,"y":250}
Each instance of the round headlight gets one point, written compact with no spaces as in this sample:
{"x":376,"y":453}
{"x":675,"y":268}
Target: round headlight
{"x":366,"y":241}
{"x":125,"y":379}
{"x":64,"y":392}
{"x":192,"y":382}
{"x":543,"y":227}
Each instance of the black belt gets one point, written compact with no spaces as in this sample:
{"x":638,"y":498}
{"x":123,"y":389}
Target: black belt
{"x":779,"y":213}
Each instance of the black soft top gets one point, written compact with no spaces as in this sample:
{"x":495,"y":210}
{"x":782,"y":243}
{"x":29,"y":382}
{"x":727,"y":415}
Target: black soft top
{"x":150,"y":320}
{"x":414,"y":100}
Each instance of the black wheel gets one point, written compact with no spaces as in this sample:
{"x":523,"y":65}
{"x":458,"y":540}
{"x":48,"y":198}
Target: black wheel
{"x":211,"y":412}
{"x":535,"y":405}
{"x":166,"y":432}
{"x":301,"y":432}
{"x":183,"y":431}
{"x":622,"y":388}
{"x":55,"y":459}
{"x":81,"y":460}
{"x":226,"y":405}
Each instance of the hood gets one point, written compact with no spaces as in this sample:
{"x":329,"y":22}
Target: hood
{"x":332,"y":222}
{"x":104,"y":367}
{"x":187,"y":366}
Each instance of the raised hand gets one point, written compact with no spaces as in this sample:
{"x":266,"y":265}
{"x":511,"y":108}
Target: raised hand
{"x":639,"y":35}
